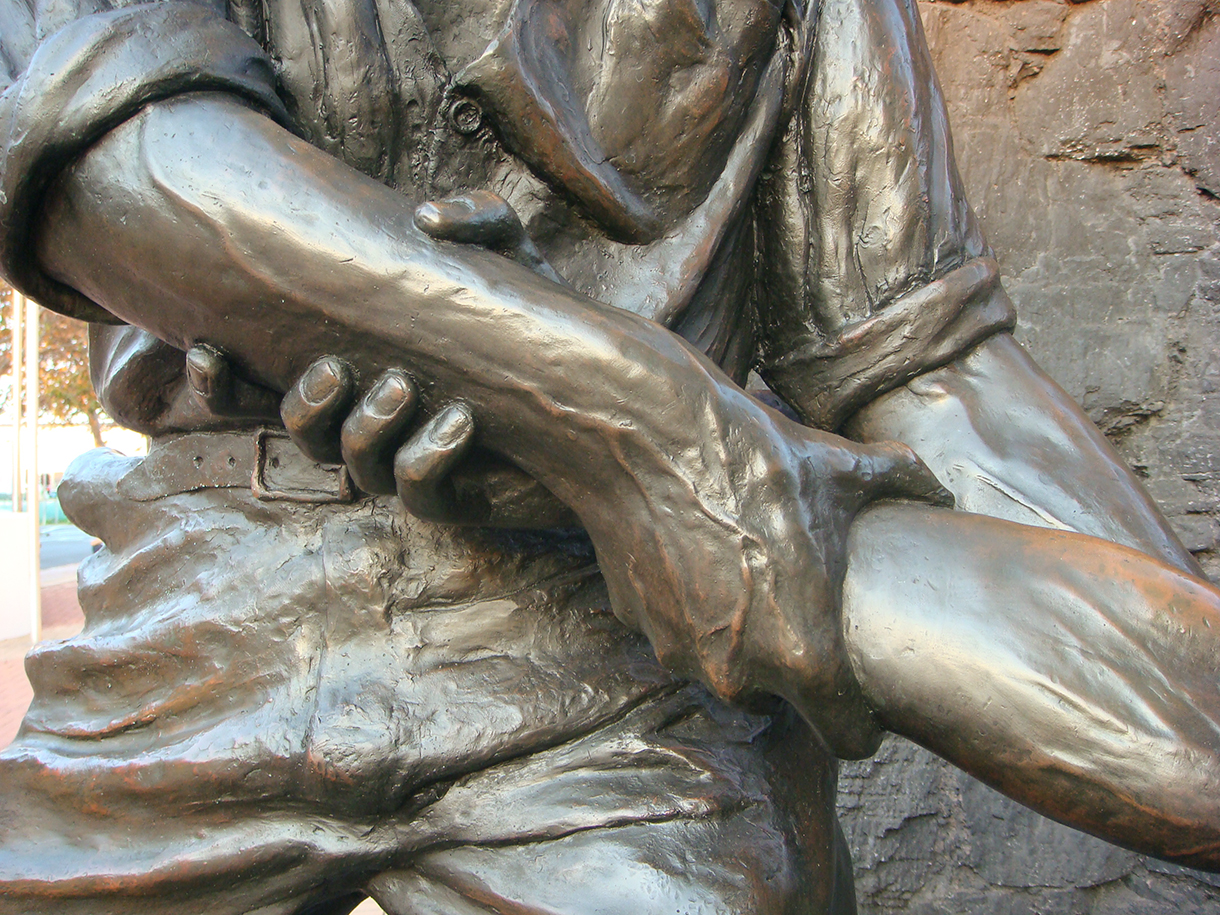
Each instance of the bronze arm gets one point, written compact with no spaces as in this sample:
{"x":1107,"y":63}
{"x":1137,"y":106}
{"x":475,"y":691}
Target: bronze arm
{"x":720,"y":525}
{"x":205,"y":222}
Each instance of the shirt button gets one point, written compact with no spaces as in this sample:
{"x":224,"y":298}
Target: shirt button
{"x":466,"y":116}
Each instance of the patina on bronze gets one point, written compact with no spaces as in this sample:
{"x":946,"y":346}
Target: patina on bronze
{"x":506,"y":264}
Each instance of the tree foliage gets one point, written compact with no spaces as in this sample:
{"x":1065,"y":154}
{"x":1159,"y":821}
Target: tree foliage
{"x":66,"y":394}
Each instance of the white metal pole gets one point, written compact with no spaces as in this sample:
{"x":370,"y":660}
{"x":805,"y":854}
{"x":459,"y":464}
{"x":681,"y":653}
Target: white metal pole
{"x":18,"y":325}
{"x":31,"y":387}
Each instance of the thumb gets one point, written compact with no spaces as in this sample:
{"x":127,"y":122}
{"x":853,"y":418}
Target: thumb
{"x":474,"y":218}
{"x":891,"y":470}
{"x":423,"y":464}
{"x":488,"y":220}
{"x":209,"y":377}
{"x":214,"y":384}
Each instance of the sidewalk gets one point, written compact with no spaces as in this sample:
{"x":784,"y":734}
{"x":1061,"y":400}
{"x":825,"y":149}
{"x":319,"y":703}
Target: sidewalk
{"x":61,"y":617}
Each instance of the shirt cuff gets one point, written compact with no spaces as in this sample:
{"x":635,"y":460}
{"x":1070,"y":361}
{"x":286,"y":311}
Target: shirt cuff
{"x":87,"y":79}
{"x":826,"y":381}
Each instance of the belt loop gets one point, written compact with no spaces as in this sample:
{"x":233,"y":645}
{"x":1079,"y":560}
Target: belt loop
{"x":265,"y":461}
{"x":282,"y":472}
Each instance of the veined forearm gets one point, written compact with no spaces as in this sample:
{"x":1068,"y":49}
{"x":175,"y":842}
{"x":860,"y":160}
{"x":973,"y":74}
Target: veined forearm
{"x":203,"y":221}
{"x":718,"y":522}
{"x":1080,"y":677}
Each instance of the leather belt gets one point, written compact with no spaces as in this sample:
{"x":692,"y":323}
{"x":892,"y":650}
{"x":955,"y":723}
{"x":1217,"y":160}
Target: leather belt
{"x":264,"y":461}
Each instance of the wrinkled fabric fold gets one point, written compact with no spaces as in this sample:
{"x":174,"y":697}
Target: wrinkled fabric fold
{"x":826,"y":381}
{"x":86,"y":79}
{"x":876,"y":267}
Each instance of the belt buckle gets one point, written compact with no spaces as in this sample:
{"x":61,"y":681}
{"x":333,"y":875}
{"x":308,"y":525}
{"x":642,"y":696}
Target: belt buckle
{"x":283,"y":473}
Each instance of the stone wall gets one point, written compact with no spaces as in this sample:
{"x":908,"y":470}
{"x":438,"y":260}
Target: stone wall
{"x":1089,"y":136}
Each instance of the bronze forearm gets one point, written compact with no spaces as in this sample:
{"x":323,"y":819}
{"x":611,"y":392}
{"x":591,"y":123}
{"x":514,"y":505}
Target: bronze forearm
{"x":1078,"y":676}
{"x":715,"y":518}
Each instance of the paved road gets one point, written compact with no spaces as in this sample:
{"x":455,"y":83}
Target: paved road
{"x":63,"y":544}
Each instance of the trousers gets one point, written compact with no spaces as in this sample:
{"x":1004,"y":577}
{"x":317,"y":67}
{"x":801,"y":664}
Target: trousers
{"x":278,"y":706}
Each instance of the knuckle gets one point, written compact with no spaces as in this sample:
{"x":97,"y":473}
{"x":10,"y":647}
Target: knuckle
{"x":361,"y":453}
{"x":893,"y":460}
{"x":414,"y":466}
{"x":407,"y":465}
{"x":296,"y":414}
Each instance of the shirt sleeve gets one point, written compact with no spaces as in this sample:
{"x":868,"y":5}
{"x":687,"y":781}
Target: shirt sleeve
{"x":85,"y":79}
{"x":874,"y":268}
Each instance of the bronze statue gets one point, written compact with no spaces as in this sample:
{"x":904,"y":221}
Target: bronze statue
{"x":509,"y":265}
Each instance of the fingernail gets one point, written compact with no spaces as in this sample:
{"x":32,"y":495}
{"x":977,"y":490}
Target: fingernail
{"x":428,"y":217}
{"x":197,"y":369}
{"x":389,"y":395}
{"x":321,"y":381}
{"x":452,"y":425}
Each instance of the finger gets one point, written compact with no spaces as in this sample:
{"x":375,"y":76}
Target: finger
{"x":474,"y":218}
{"x":422,"y":466}
{"x":314,"y":408}
{"x":488,"y":220}
{"x":221,"y":392}
{"x":891,"y":470}
{"x":210,"y":379}
{"x":374,"y":430}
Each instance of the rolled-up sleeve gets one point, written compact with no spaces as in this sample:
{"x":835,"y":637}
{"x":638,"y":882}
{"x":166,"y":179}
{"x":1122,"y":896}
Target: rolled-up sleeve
{"x":874,"y":268}
{"x":87,"y":78}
